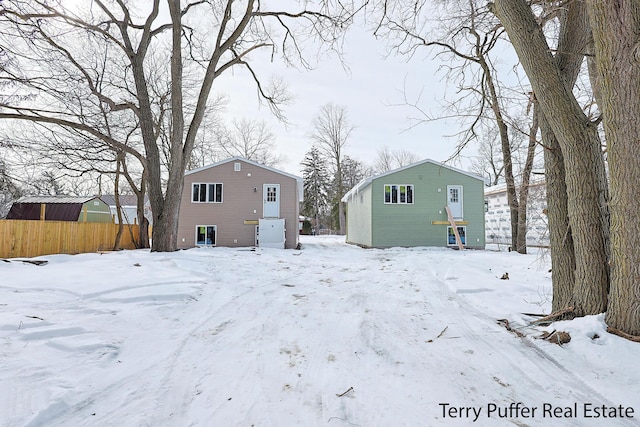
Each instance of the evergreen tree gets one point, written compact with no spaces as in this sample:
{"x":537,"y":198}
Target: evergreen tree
{"x":316,"y":187}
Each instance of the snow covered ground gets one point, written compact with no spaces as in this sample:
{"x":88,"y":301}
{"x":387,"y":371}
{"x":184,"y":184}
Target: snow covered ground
{"x":330,"y":335}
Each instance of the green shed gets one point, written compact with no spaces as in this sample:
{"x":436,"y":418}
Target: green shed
{"x":408,"y":207}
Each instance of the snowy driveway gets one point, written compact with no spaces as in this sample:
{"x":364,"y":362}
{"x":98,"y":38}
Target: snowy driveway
{"x":332,"y":335}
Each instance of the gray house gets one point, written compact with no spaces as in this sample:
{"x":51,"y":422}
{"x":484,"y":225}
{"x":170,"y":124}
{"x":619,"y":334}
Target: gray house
{"x":408,"y":207}
{"x":238,"y":202}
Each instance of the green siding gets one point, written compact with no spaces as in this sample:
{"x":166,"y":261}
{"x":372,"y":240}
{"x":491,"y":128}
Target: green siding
{"x":359,"y":218}
{"x":97,"y":211}
{"x":410,"y":224}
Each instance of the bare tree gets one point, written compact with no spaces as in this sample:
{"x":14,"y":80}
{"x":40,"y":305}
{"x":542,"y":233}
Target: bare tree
{"x":331,"y":132}
{"x":206,"y":149}
{"x":80,"y":164}
{"x":466,"y":39}
{"x":353,"y":171}
{"x":9,"y":190}
{"x":387,"y":160}
{"x":250,"y":139}
{"x":384,"y":161}
{"x":488,"y":163}
{"x":552,"y":79}
{"x":521,"y":241}
{"x":129,"y":38}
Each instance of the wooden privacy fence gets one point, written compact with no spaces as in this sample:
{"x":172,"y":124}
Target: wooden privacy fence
{"x":25,"y":238}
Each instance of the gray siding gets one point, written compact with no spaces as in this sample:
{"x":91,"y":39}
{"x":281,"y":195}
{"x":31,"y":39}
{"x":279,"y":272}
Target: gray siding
{"x":242,"y":201}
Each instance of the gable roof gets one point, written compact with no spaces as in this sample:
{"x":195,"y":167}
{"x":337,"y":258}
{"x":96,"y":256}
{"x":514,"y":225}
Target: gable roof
{"x":57,"y":199}
{"x":60,"y":208}
{"x":238,"y":158}
{"x":251,"y":162}
{"x":367,"y":181}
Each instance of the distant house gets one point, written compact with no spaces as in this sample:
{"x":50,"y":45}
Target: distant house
{"x":238,"y":202}
{"x":408,"y":207}
{"x":128,"y":208}
{"x":498,"y":215}
{"x":60,"y":208}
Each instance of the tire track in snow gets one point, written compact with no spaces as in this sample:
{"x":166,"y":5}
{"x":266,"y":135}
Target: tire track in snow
{"x":63,"y":408}
{"x":483,"y":333}
{"x":181,"y":386}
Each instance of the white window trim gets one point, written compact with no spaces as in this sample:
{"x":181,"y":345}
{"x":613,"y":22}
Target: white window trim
{"x":464,"y":228}
{"x":195,"y":237}
{"x":413,"y":194}
{"x":207,"y":184}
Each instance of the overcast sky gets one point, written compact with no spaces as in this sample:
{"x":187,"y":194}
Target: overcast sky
{"x":367,"y":89}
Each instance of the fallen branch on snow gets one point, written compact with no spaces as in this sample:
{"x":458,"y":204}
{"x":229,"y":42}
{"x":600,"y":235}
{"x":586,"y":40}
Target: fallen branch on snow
{"x":443,"y":331}
{"x":553,"y":316}
{"x":345,"y":393}
{"x":440,"y":334}
{"x":618,"y":332}
{"x":507,"y":326}
{"x":534,"y":314}
{"x":556,"y":337}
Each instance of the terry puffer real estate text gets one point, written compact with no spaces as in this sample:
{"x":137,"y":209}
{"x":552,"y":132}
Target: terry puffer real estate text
{"x":546,"y":410}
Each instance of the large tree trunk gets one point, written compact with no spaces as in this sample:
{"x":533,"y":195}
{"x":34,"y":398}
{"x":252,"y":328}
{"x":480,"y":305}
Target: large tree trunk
{"x":165,"y":225}
{"x":165,"y":236}
{"x":563,"y":259}
{"x":615,"y":32}
{"x":577,"y":137}
{"x":575,"y":37}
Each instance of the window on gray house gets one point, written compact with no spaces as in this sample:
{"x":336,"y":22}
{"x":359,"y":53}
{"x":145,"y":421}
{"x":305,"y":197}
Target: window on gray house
{"x":207,"y":193}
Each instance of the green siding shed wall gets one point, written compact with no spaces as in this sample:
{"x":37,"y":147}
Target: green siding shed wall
{"x":97,"y":211}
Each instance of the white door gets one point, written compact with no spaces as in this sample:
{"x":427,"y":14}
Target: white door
{"x":271,"y":233}
{"x":454,"y":200}
{"x":271,"y":201}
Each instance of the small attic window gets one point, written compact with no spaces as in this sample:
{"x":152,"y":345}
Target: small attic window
{"x":236,"y":167}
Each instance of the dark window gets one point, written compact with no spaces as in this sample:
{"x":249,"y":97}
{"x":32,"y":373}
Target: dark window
{"x":206,"y":235}
{"x":451,"y":237}
{"x":207,"y":193}
{"x":398,"y":194}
